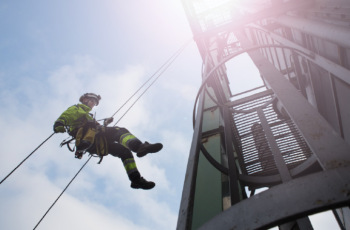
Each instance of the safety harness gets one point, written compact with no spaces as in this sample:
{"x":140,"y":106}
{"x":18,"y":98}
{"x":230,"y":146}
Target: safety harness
{"x":85,"y":135}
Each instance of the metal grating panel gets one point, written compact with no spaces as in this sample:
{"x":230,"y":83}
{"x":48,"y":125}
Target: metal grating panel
{"x":211,"y":14}
{"x":253,"y":145}
{"x":230,"y":45}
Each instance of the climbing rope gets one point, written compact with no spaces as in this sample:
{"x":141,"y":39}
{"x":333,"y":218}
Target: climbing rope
{"x":61,"y":193}
{"x":26,"y":158}
{"x":177,"y":53}
{"x":172,"y":58}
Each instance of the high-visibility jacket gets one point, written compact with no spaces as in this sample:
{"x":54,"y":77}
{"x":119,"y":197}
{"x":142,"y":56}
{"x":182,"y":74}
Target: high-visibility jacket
{"x":74,"y":116}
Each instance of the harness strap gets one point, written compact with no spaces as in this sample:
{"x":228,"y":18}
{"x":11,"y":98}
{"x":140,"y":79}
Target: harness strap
{"x":101,"y":147}
{"x":101,"y":142}
{"x":64,"y":142}
{"x":101,"y":158}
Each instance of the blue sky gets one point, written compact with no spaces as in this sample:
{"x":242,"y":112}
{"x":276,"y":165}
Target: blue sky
{"x":51,"y":52}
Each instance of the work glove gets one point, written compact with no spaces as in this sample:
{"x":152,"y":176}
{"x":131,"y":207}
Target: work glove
{"x":108,"y":121}
{"x":60,"y":129}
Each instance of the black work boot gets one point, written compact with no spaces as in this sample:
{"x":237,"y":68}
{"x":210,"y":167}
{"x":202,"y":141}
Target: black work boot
{"x":142,"y":183}
{"x":146,"y":148}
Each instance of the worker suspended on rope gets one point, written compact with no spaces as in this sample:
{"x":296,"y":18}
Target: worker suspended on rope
{"x":101,"y":140}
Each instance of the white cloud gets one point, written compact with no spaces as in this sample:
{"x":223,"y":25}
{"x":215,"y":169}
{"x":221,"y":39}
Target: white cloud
{"x":177,"y":145}
{"x":157,"y":211}
{"x":37,"y":194}
{"x":100,"y":197}
{"x":187,"y":91}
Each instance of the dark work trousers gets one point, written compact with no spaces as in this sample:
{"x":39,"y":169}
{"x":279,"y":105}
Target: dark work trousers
{"x":126,"y":142}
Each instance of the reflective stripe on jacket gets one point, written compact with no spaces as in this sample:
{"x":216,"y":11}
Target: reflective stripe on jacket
{"x":74,"y":116}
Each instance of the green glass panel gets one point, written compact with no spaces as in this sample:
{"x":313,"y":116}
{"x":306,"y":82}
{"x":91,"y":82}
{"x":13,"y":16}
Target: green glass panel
{"x":212,"y":119}
{"x":208,"y":194}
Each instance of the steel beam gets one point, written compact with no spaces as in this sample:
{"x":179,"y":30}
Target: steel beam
{"x":260,"y":180}
{"x":304,"y":224}
{"x":280,"y":164}
{"x":249,"y":98}
{"x":337,"y":70}
{"x":336,"y":34}
{"x":247,"y":91}
{"x":190,"y":178}
{"x":340,"y":222}
{"x":232,"y":169}
{"x":299,"y":197}
{"x":300,"y":78}
{"x":303,"y":166}
{"x":194,"y":25}
{"x":330,"y":149}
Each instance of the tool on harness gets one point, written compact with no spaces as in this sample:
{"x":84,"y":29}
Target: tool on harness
{"x":72,"y":135}
{"x":101,"y":147}
{"x":85,"y":135}
{"x":101,"y":141}
{"x":65,"y":142}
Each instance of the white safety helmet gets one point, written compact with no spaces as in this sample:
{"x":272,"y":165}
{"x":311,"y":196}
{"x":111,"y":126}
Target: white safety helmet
{"x":91,"y":96}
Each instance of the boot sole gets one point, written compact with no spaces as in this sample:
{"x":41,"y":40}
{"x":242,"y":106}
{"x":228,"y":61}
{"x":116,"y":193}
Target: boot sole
{"x":145,"y":187}
{"x":152,"y":149}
